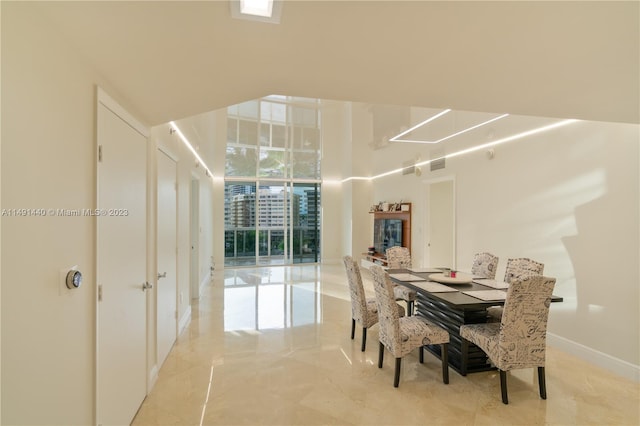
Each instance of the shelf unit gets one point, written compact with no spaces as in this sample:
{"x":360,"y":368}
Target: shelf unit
{"x":405,"y":216}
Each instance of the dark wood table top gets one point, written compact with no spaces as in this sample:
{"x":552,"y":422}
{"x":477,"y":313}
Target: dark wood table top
{"x":455,"y":299}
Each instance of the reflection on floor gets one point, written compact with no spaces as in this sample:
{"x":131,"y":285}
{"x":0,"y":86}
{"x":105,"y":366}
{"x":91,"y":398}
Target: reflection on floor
{"x":272,"y":346}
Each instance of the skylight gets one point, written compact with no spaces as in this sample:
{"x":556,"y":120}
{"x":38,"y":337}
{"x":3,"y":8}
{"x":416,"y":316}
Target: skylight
{"x":257,"y":7}
{"x":257,"y":10}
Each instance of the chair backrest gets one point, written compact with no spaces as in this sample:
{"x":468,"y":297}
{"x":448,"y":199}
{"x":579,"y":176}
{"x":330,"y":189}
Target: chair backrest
{"x":485,"y":265}
{"x":523,"y":330}
{"x":398,"y":257}
{"x":388,"y":316}
{"x":356,"y":290}
{"x":521,"y":267}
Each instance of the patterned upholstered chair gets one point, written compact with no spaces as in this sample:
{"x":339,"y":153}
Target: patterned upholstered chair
{"x":516,"y":268}
{"x":521,"y":266}
{"x":400,"y":258}
{"x":519,"y":340}
{"x":485,"y":265}
{"x":402,"y":335}
{"x":364,"y":310}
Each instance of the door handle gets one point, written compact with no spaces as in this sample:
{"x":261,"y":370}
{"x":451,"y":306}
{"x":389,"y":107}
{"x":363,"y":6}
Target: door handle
{"x":162,"y":275}
{"x":146,"y":286}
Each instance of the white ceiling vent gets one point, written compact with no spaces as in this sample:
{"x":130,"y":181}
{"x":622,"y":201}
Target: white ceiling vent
{"x":437,"y":164}
{"x":408,"y":167}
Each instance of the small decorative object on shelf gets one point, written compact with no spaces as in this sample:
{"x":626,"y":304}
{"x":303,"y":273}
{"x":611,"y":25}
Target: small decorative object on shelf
{"x":372,"y":250}
{"x":384,"y":207}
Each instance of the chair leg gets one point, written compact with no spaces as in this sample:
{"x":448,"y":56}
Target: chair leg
{"x":542,"y":383}
{"x":444,"y":355}
{"x":364,"y":338}
{"x":380,"y":355}
{"x":409,"y":308}
{"x":396,"y":377}
{"x":421,"y":354}
{"x":464,"y":356}
{"x":353,"y":328}
{"x":503,"y":386}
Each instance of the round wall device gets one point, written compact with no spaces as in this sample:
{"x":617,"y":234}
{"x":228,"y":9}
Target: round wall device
{"x":74,"y":279}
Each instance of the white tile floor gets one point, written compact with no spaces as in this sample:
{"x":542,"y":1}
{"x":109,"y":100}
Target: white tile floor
{"x":271,"y":346}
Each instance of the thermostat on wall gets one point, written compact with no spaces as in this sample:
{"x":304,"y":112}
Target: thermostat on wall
{"x":74,"y":279}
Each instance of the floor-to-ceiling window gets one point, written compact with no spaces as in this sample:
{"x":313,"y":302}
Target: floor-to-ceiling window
{"x":272,"y":188}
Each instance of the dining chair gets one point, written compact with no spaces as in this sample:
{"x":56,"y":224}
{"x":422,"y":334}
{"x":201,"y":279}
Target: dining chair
{"x":516,"y":268}
{"x":401,"y":335}
{"x":400,"y":258}
{"x":520,"y":266}
{"x":485,"y":265}
{"x":519,"y":340}
{"x":364,"y":310}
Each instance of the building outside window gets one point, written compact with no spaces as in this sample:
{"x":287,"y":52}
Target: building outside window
{"x":272,"y":189}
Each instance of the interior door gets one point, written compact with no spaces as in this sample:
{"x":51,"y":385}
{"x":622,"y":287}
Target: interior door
{"x":441,"y":226}
{"x":121,"y":269}
{"x":195,"y":238}
{"x":166,"y":290}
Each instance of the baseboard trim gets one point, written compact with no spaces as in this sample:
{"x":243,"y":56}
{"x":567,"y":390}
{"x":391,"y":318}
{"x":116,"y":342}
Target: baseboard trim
{"x":152,"y":379}
{"x":185,"y":320}
{"x":206,"y":280}
{"x":600,"y":359}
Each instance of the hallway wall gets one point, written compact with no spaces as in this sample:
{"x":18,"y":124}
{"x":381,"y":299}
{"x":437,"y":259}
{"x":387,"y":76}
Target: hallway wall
{"x":48,"y":162}
{"x":188,"y":167}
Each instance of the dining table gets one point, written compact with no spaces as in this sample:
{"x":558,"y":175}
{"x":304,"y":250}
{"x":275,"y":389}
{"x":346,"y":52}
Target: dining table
{"x":451,"y":302}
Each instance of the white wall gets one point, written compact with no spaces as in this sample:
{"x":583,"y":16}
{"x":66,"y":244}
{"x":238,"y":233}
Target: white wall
{"x":361,"y":165}
{"x":200,"y":131}
{"x":333,"y":226}
{"x":207,"y":235}
{"x":187,"y":166}
{"x":568,"y":198}
{"x":0,"y":248}
{"x":48,"y":161}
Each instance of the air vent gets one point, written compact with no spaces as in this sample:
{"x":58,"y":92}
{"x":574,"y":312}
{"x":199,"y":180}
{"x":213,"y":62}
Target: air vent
{"x":408,"y":167}
{"x":437,"y":164}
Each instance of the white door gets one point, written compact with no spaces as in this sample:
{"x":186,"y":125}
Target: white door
{"x":441,"y":228}
{"x":195,"y":238}
{"x":121,"y":269}
{"x":166,"y":290}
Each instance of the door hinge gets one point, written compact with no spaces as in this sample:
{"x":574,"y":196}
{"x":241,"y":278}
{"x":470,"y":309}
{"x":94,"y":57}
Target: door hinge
{"x":99,"y":153}
{"x":99,"y":293}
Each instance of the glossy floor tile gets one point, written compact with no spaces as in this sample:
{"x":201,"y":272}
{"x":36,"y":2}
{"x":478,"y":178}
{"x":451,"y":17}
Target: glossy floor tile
{"x":271,"y":346}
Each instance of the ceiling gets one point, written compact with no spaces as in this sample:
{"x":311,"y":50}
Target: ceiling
{"x":174,"y":59}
